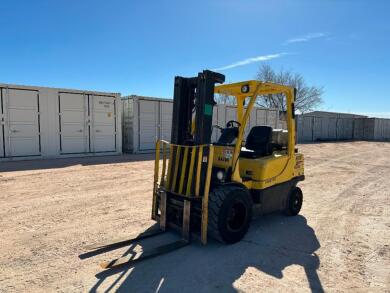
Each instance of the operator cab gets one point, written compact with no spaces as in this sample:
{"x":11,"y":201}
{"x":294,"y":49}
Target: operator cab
{"x":261,"y":141}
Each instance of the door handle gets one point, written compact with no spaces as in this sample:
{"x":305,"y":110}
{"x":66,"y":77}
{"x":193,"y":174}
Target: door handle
{"x":80,"y":130}
{"x":15,"y":131}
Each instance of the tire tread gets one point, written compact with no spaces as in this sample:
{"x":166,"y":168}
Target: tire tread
{"x":216,"y":199}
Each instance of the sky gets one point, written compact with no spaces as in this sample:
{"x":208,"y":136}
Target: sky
{"x":137,"y":47}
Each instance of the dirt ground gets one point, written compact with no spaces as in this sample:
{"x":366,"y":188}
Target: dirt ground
{"x":51,"y":209}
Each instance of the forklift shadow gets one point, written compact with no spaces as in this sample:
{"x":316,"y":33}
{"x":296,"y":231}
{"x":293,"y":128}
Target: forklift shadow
{"x":273,"y":243}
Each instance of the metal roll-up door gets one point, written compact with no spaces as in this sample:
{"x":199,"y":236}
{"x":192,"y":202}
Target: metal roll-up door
{"x":74,"y":124}
{"x":216,"y":132}
{"x":103,"y":126}
{"x":340,"y":129}
{"x":332,"y":128}
{"x":307,"y":128}
{"x":148,"y":121}
{"x":252,"y":119}
{"x":2,"y":122}
{"x":231,"y":113}
{"x":299,"y":129}
{"x":261,"y":117}
{"x":166,"y":109}
{"x":387,"y":129}
{"x":21,"y":134}
{"x":272,"y":118}
{"x":317,"y":128}
{"x":248,"y":122}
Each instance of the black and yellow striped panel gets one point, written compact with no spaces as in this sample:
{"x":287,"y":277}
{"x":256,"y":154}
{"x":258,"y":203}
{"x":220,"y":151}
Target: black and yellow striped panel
{"x":187,"y":169}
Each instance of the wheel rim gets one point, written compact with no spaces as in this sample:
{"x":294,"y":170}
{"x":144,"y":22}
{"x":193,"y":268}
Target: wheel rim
{"x":296,"y":202}
{"x":237,"y":217}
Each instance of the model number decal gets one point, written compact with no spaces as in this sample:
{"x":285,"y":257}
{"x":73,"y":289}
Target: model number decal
{"x":298,"y":164}
{"x":227,"y":153}
{"x":222,"y":159}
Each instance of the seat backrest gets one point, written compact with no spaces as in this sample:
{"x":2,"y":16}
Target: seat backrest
{"x":228,"y":135}
{"x":259,"y":139}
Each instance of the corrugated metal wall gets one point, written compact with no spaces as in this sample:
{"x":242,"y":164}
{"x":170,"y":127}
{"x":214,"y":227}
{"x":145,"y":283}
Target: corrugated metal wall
{"x":312,"y":128}
{"x":382,"y":129}
{"x":146,"y":119}
{"x":364,"y":129}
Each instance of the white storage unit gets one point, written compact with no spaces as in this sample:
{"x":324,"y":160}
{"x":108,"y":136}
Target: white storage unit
{"x":166,"y":120}
{"x":41,"y":122}
{"x":146,"y":119}
{"x":340,"y":126}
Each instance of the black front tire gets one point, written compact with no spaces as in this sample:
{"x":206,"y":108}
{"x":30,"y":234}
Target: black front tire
{"x":230,"y":213}
{"x":294,"y":202}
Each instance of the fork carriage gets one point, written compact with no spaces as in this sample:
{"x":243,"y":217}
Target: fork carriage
{"x":180,"y":200}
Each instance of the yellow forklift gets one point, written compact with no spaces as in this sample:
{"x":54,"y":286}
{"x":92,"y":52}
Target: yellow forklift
{"x":204,"y":189}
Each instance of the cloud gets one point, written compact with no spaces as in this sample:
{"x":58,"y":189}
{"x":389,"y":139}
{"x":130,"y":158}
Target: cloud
{"x":251,"y":60}
{"x":306,"y":38}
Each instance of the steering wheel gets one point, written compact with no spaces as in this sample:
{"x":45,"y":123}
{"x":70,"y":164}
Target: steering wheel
{"x":218,"y":127}
{"x":231,"y":123}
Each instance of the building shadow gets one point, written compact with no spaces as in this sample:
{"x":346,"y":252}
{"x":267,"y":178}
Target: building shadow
{"x":273,"y":243}
{"x":9,"y":166}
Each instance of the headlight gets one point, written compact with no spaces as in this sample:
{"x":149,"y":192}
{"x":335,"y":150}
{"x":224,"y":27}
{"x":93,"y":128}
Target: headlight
{"x":220,"y":175}
{"x":245,"y":89}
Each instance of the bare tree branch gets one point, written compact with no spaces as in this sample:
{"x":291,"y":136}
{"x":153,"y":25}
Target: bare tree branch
{"x":225,"y":99}
{"x":307,"y":98}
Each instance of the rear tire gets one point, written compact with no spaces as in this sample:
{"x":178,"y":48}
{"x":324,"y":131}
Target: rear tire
{"x":294,"y":202}
{"x":230,"y":213}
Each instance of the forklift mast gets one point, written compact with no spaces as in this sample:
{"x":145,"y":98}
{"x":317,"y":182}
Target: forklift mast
{"x":194,"y":95}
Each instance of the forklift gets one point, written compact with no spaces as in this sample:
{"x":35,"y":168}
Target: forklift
{"x":204,"y":189}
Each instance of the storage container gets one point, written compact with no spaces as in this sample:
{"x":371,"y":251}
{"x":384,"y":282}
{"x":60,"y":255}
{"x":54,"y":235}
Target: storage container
{"x":146,"y":119}
{"x":42,"y":122}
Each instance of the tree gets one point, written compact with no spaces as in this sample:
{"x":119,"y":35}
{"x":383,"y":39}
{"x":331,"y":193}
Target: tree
{"x":307,"y":97}
{"x":225,"y":99}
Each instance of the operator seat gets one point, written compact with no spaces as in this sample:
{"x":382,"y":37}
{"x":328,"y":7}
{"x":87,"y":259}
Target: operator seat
{"x":258,"y":143}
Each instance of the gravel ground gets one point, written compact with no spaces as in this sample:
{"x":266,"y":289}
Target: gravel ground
{"x":51,"y":209}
